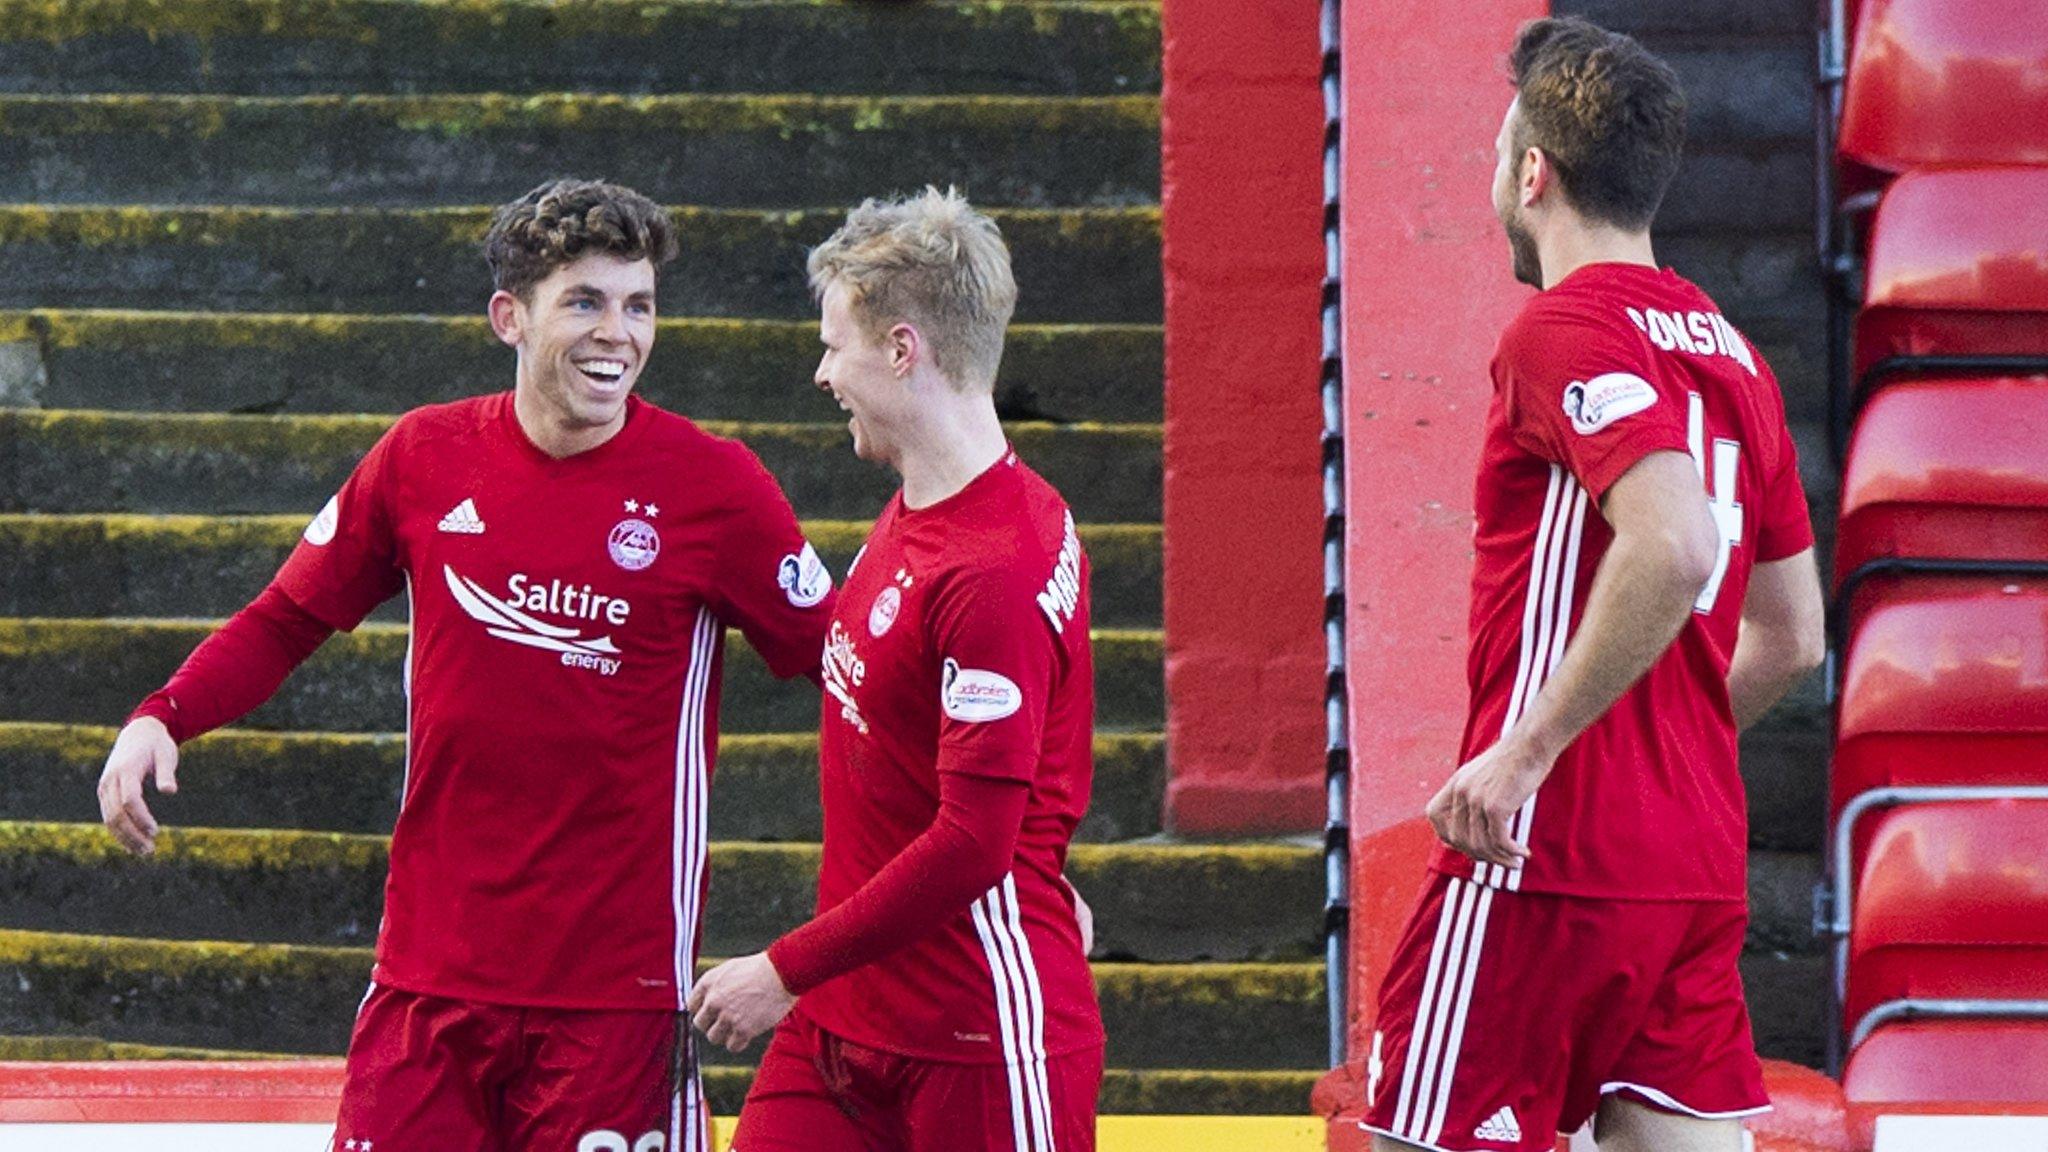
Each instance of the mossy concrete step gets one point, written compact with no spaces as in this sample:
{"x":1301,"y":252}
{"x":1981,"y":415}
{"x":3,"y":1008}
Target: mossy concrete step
{"x":1153,"y":903}
{"x":1072,"y":265}
{"x":122,"y":565}
{"x":766,"y":786}
{"x":287,"y":47}
{"x":94,"y":672}
{"x":743,"y":151}
{"x":707,"y":369}
{"x":300,"y":998}
{"x":72,"y":461}
{"x":1125,"y":1091}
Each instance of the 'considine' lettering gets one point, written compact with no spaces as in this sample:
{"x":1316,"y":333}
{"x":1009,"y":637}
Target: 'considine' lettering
{"x":1699,"y":333}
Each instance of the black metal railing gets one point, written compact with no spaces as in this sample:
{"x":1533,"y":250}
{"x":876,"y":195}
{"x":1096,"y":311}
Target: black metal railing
{"x":1337,"y":757}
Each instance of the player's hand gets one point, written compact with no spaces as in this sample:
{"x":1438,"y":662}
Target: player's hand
{"x":142,"y":751}
{"x":1084,"y":915}
{"x":1472,"y":811}
{"x":739,"y":1000}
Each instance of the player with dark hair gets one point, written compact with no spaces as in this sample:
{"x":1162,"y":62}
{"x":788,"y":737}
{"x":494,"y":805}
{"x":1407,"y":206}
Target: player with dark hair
{"x":573,"y":556}
{"x":942,"y":997}
{"x":1644,"y":586}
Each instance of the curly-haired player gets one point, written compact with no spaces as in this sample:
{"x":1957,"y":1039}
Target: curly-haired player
{"x":1643,"y":585}
{"x":573,"y":556}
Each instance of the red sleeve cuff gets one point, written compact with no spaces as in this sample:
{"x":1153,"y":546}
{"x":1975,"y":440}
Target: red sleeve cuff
{"x":162,"y":707}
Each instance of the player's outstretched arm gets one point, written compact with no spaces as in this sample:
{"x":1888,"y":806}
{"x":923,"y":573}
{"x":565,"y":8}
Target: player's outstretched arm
{"x":1662,"y":556}
{"x":229,"y":674}
{"x":1783,"y":637}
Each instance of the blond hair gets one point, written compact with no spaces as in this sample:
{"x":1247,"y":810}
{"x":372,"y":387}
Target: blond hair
{"x":931,"y":261}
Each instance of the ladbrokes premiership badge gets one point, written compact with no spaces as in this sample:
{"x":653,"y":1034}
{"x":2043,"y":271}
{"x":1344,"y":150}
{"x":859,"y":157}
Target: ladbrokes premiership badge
{"x":633,"y":544}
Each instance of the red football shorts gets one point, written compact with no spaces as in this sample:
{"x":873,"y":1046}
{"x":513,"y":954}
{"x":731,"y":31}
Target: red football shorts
{"x":1506,"y":1016}
{"x":460,"y":1076}
{"x":818,"y":1093}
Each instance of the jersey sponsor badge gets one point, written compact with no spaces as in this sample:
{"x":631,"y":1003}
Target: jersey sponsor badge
{"x":882,"y":616}
{"x":976,"y":695}
{"x":803,"y":578}
{"x":633,"y":544}
{"x":1596,"y":403}
{"x":320,"y":533}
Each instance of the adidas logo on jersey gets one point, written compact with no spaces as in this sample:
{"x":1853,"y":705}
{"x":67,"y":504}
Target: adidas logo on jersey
{"x":463,"y":520}
{"x":1501,"y":1126}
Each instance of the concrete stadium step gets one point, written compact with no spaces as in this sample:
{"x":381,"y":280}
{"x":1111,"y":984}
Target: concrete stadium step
{"x":706,"y":369}
{"x":94,"y":672}
{"x":1125,"y":1091}
{"x":748,"y":151}
{"x":299,"y":998}
{"x":766,"y":787}
{"x":74,"y":461}
{"x":117,"y":565}
{"x":249,"y":46}
{"x":1153,"y":903}
{"x":1072,"y":265}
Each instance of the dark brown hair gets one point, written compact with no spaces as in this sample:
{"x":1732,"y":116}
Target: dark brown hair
{"x":564,"y":220}
{"x":1608,"y":114}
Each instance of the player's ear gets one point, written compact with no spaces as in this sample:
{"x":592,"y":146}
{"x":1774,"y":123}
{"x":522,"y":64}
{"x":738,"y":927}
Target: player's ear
{"x":508,"y":317}
{"x":1536,"y":176}
{"x":906,"y":345}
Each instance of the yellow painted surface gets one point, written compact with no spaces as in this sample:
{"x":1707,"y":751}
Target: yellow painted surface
{"x":1175,"y":1134}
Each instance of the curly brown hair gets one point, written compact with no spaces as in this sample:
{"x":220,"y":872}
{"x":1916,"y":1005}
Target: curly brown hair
{"x":564,"y":220}
{"x":1608,"y":114}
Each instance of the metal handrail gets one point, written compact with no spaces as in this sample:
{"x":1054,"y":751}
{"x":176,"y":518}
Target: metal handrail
{"x":1337,"y":742}
{"x":1924,"y":1009}
{"x":1840,"y":883}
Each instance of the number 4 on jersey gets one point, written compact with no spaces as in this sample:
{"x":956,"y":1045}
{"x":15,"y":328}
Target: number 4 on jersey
{"x":1720,"y":494}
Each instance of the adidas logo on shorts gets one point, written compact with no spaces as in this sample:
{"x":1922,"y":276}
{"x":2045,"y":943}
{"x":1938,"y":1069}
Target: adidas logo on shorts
{"x":1501,"y":1126}
{"x":462,"y":519}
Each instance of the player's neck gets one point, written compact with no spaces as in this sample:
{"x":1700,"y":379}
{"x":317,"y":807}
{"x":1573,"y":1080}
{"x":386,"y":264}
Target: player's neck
{"x":1566,"y":250}
{"x":957,"y":439}
{"x":555,"y":436}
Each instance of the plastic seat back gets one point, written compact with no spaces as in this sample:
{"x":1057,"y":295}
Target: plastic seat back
{"x":1941,"y":83}
{"x":1958,"y":1062}
{"x":1952,"y":468}
{"x":1958,"y":265}
{"x":1945,"y":682}
{"x":1951,"y":903}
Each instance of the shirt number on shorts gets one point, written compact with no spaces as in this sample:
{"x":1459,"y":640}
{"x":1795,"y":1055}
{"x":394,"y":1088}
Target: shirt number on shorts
{"x":606,"y":1140}
{"x":1720,"y":494}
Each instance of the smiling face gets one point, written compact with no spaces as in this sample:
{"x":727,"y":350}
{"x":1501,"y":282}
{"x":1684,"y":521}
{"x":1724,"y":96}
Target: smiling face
{"x":861,"y":374}
{"x":583,"y":335}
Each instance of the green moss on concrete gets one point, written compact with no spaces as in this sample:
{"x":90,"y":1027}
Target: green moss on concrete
{"x":176,"y":959}
{"x":1196,"y":1092}
{"x":45,"y":1048}
{"x":59,"y":21}
{"x":1212,"y":985}
{"x":785,"y":115}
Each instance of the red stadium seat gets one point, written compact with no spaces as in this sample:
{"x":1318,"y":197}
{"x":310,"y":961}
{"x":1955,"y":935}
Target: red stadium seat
{"x":1958,"y":266}
{"x":1959,"y":1062}
{"x":1947,"y":469}
{"x":1944,"y":682}
{"x":1943,"y":83}
{"x":1951,"y":903}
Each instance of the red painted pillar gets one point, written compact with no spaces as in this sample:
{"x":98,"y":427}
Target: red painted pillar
{"x":1427,"y":289}
{"x":1241,"y":195}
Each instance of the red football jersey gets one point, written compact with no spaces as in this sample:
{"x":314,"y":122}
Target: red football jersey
{"x":1612,"y":363}
{"x":960,"y":644}
{"x":568,"y":626}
